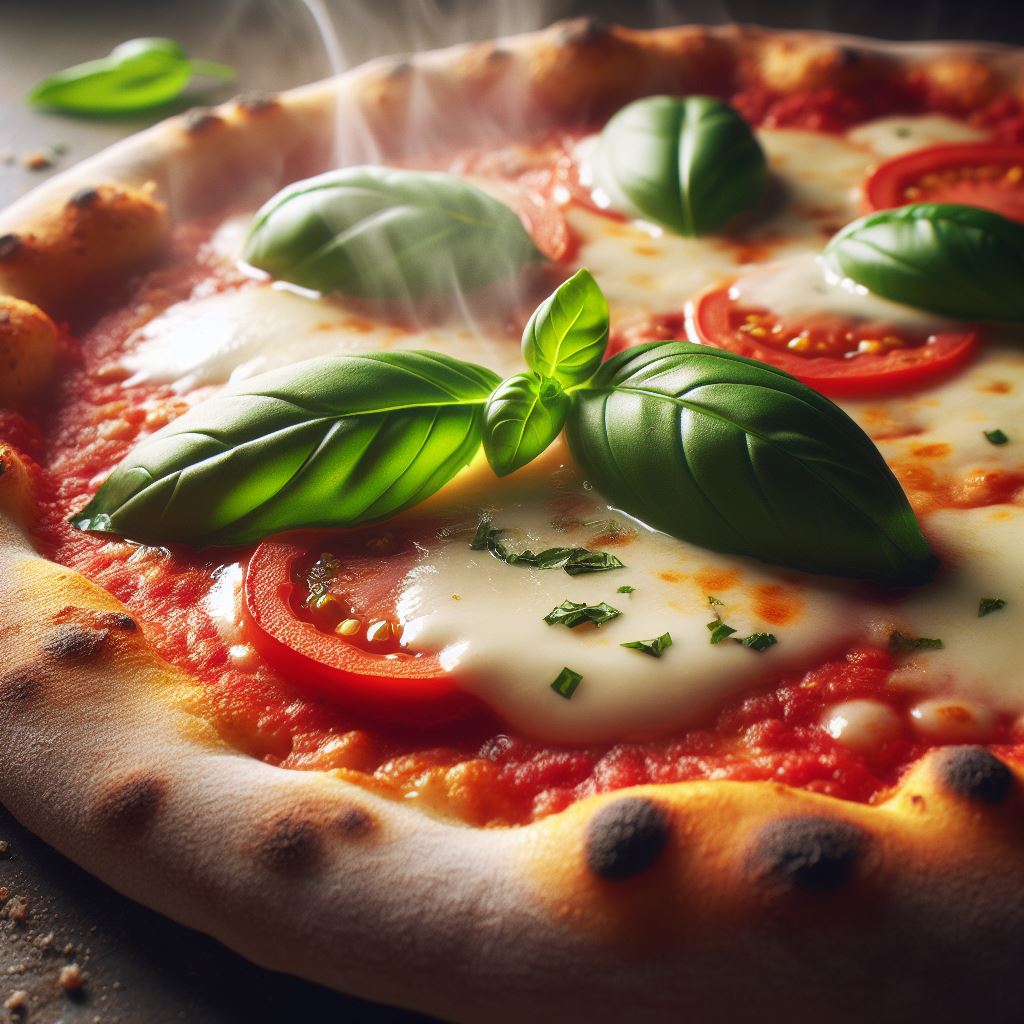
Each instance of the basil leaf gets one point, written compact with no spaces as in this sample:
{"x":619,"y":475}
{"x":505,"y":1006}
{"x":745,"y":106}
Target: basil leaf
{"x":719,"y":631}
{"x":522,"y":417}
{"x":381,"y":233}
{"x":688,"y":164}
{"x":958,"y":261}
{"x":988,"y":605}
{"x":566,"y":337}
{"x":575,"y":613}
{"x":328,"y":442}
{"x":760,"y":641}
{"x":996,"y":436}
{"x":737,"y":456}
{"x":138,"y":75}
{"x":652,"y":647}
{"x":583,"y":561}
{"x":566,"y":683}
{"x":902,"y":644}
{"x":626,"y":589}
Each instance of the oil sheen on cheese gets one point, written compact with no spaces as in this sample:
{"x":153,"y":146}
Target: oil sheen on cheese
{"x":487,"y":618}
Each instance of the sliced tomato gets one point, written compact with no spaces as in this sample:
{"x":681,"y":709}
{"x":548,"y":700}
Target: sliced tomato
{"x":321,"y":607}
{"x":830,"y":354}
{"x":532,"y":197}
{"x":986,"y":174}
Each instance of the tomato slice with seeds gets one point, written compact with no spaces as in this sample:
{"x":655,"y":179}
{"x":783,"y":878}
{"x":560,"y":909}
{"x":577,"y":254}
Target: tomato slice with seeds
{"x":989,"y":175}
{"x":321,"y":608}
{"x":833,"y":355}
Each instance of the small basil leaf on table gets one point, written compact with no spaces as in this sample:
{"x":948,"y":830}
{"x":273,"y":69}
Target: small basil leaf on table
{"x":737,"y":456}
{"x":329,"y":442}
{"x":566,"y":337}
{"x":957,"y":261}
{"x":381,"y":233}
{"x":524,"y":414}
{"x":689,"y":164}
{"x":137,"y":75}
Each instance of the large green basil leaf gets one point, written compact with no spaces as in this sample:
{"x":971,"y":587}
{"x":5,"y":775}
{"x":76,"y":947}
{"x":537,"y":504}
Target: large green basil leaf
{"x":328,"y":442}
{"x":523,"y":416}
{"x":689,"y":164}
{"x":737,"y":456}
{"x":566,"y":337}
{"x":381,"y":233}
{"x":958,"y":261}
{"x":137,"y":75}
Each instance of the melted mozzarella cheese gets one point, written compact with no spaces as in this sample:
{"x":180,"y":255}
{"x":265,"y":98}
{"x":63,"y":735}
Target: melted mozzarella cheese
{"x":799,"y":286}
{"x":487,"y":618}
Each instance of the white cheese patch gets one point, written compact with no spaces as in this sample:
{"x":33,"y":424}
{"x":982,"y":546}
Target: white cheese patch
{"x":891,"y":136}
{"x":494,"y":634}
{"x":799,"y":286}
{"x":231,"y":335}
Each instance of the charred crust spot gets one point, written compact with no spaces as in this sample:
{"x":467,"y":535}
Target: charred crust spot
{"x":130,"y":803}
{"x":581,"y":30}
{"x":289,"y":843}
{"x":119,"y":620}
{"x":498,"y":55}
{"x":20,"y":685}
{"x":200,"y":120}
{"x":809,"y":854}
{"x":256,"y":102}
{"x":71,"y":642}
{"x":355,"y":823}
{"x":9,"y":245}
{"x":400,"y":69}
{"x":626,"y":837}
{"x":976,"y":774}
{"x":84,"y":197}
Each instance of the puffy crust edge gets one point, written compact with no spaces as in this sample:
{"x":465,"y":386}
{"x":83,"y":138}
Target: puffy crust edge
{"x":669,"y":900}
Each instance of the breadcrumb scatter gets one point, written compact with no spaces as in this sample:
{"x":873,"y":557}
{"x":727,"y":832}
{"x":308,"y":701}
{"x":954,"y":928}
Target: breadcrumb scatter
{"x":37,"y":161}
{"x":17,"y":909}
{"x":71,"y":978}
{"x":17,"y":1001}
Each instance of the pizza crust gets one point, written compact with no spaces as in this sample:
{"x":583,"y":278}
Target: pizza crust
{"x":714,"y":900}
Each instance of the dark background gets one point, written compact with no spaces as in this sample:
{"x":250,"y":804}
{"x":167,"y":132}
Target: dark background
{"x":141,"y":967}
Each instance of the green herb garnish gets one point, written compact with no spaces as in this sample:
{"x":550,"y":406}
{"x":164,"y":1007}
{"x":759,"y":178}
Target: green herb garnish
{"x":362,"y":232}
{"x":996,"y":436}
{"x":688,"y":163}
{"x":958,"y":261}
{"x":652,"y":647}
{"x":138,"y":75}
{"x":575,"y":561}
{"x":566,"y":683}
{"x":987,"y":605}
{"x":902,"y":644}
{"x":319,"y":580}
{"x":575,"y":613}
{"x":719,"y":631}
{"x":760,"y":641}
{"x":625,"y":589}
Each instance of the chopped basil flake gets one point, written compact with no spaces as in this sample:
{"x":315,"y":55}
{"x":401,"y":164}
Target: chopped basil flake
{"x":760,"y":641}
{"x":652,"y":647}
{"x":902,"y":644}
{"x":996,"y":436}
{"x":713,"y":602}
{"x":625,"y":589}
{"x":719,"y":631}
{"x":575,"y":613}
{"x":987,"y":605}
{"x":582,"y":561}
{"x":575,"y":561}
{"x":566,"y":683}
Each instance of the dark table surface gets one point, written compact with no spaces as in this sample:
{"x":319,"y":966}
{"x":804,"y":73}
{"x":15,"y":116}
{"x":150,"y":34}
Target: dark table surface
{"x":140,"y":967}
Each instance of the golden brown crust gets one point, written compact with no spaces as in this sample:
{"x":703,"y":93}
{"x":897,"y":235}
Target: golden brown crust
{"x":29,"y":348}
{"x":711,"y":900}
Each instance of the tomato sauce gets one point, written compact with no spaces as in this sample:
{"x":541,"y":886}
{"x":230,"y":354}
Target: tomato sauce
{"x":473,"y":769}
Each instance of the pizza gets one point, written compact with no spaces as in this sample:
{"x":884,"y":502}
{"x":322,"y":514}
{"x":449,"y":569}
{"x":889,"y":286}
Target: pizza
{"x":532,"y":528}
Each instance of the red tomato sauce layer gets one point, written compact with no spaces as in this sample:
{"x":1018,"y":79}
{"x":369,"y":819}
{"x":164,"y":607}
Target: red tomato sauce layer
{"x":474,"y":770}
